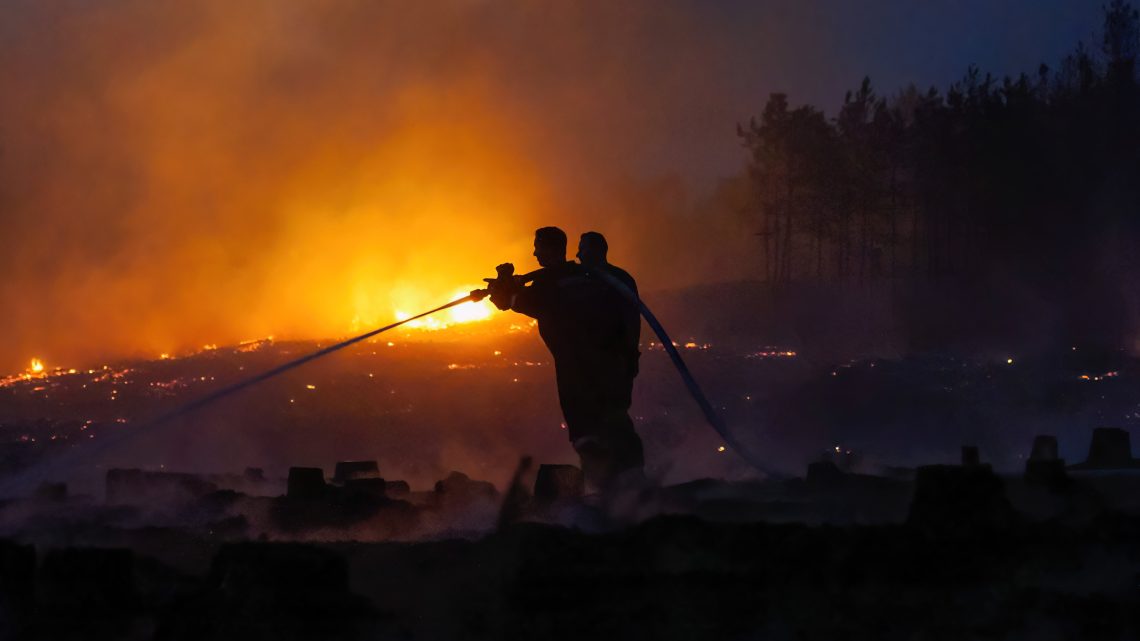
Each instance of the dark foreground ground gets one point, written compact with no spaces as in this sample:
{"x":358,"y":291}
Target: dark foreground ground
{"x":669,"y":578}
{"x":955,"y":552}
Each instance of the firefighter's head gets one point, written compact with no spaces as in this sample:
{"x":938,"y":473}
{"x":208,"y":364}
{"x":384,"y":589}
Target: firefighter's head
{"x":592,"y":248}
{"x":550,"y":246}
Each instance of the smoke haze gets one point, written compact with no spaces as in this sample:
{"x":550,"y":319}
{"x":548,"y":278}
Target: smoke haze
{"x":203,"y":172}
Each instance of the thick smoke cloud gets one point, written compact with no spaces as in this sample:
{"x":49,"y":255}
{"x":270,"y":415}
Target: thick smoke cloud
{"x":211,"y":171}
{"x":180,"y":173}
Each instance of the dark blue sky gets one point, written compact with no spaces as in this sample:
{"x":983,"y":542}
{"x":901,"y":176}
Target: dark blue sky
{"x":818,"y":49}
{"x":896,"y":41}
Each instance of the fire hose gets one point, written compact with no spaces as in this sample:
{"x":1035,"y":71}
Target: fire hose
{"x":714,"y":420}
{"x":694,"y":389}
{"x":28,"y":480}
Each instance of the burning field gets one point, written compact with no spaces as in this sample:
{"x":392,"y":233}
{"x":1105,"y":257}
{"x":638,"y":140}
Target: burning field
{"x":379,"y":493}
{"x":471,"y":392}
{"x":474,"y":396}
{"x":895,"y":400}
{"x":420,"y":484}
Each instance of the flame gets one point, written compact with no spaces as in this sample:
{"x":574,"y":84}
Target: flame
{"x":37,"y":366}
{"x":468,"y":312}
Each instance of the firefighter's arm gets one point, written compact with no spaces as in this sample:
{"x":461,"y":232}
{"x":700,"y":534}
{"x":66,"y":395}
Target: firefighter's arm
{"x":508,"y":291}
{"x":528,"y":300}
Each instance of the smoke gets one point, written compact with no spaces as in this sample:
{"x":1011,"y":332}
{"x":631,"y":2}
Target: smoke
{"x":205,"y":171}
{"x":214,"y":171}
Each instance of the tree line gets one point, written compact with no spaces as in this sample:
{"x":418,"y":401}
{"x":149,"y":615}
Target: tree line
{"x":1034,"y":177}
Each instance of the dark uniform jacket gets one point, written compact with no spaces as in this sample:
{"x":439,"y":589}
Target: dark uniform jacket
{"x":630,"y":313}
{"x":580,"y":318}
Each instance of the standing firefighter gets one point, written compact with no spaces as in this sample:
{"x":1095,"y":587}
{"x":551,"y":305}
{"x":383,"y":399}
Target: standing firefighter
{"x":592,"y":251}
{"x":582,"y":321}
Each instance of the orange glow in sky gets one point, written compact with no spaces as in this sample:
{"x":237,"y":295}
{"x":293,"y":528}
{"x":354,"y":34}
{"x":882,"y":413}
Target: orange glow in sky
{"x":224,"y":170}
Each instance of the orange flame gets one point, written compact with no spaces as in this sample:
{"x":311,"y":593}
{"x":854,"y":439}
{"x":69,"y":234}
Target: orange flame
{"x":465,"y":313}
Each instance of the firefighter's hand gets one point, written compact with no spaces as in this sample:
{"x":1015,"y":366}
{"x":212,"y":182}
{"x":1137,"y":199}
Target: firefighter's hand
{"x":502,"y":287}
{"x":501,"y":300}
{"x":502,"y":294}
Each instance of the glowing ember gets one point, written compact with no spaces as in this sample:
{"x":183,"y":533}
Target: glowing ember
{"x":689,"y":345}
{"x":773,"y":352}
{"x":254,"y":344}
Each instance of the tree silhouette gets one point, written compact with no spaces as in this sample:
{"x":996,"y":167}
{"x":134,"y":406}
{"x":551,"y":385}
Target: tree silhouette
{"x":1030,"y":179}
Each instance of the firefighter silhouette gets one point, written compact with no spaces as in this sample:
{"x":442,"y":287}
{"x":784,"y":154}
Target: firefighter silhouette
{"x":587,"y":327}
